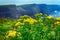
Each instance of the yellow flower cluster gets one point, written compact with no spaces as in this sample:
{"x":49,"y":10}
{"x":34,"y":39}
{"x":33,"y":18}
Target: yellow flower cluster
{"x":57,"y":22}
{"x":11,"y":33}
{"x":58,"y":19}
{"x":27,"y":18}
{"x":50,"y":17}
{"x":19,"y":20}
{"x":45,"y":24}
{"x":30,"y":20}
{"x":18,"y":23}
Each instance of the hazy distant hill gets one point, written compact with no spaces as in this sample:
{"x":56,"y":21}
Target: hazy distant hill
{"x":14,"y":11}
{"x":31,"y":9}
{"x":8,"y":11}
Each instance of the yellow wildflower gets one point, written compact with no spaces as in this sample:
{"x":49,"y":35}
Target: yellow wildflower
{"x":57,"y":22}
{"x":11,"y":33}
{"x":19,"y":20}
{"x":50,"y":17}
{"x":18,"y":23}
{"x":58,"y":19}
{"x":30,"y":20}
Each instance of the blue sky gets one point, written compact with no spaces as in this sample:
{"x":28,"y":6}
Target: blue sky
{"x":20,"y":2}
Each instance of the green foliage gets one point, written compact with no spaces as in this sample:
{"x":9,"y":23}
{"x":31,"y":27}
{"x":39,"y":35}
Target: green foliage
{"x":44,"y":27}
